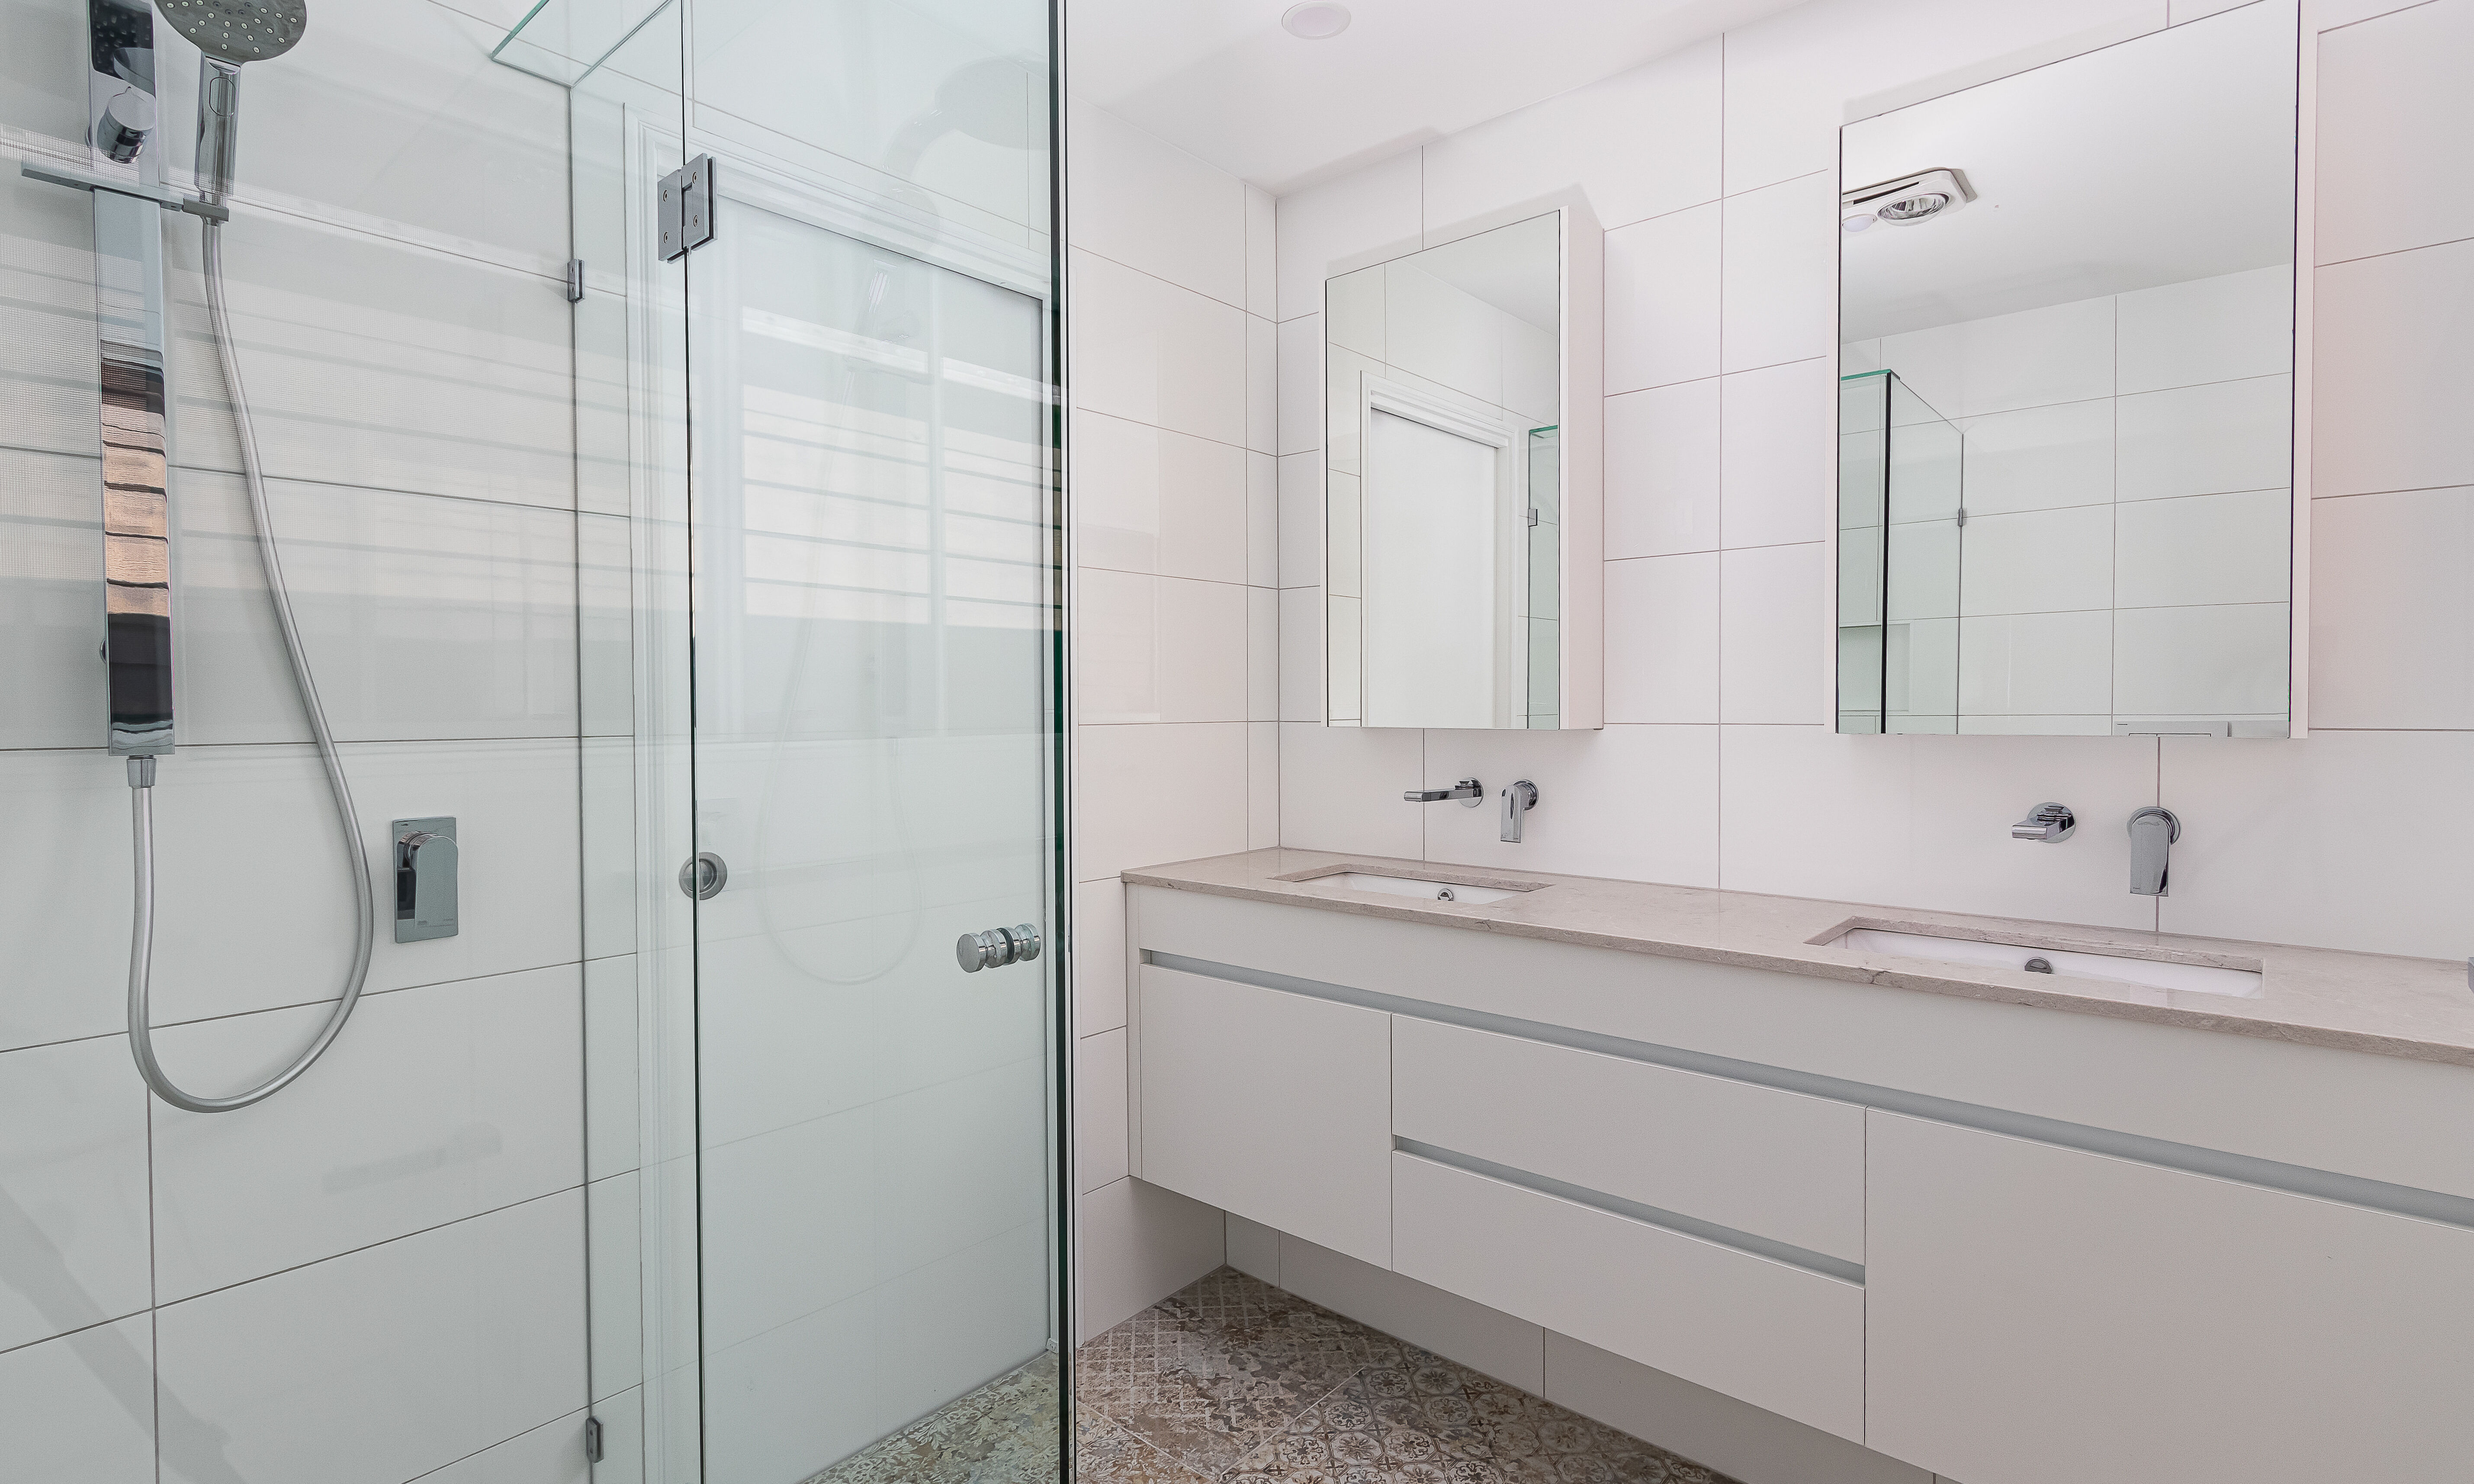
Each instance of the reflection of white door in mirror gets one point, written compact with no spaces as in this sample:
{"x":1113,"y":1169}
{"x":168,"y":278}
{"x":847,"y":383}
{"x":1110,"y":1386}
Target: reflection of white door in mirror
{"x":1462,"y":579}
{"x":1440,"y":621}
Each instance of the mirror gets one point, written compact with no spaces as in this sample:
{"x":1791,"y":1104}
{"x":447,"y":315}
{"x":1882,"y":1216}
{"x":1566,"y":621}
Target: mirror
{"x":2065,"y":450}
{"x":1452,"y":527}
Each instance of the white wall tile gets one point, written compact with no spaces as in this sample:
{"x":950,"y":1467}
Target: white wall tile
{"x":1302,"y":384}
{"x":1770,"y":634}
{"x":482,"y":147}
{"x":1776,"y":435}
{"x":1151,"y":802}
{"x":2023,"y":665}
{"x":2393,"y":339}
{"x":1633,"y":802}
{"x":1145,"y":204}
{"x":1139,"y":1244}
{"x":73,"y":1233}
{"x":459,"y":370}
{"x":82,"y":1407}
{"x":1662,"y":299}
{"x":776,"y":1403}
{"x":611,"y":1110}
{"x":605,"y":670}
{"x":50,"y":616}
{"x":2207,"y":330}
{"x":2038,"y":561}
{"x":1100,"y":1106}
{"x":1593,"y":135}
{"x":213,"y":954}
{"x":1262,"y":520}
{"x":622,"y":1438}
{"x":1262,"y":385}
{"x":786,"y":1224}
{"x":1927,"y":818}
{"x":2210,"y":548}
{"x":1262,"y":785}
{"x":2392,"y":172}
{"x":383,"y":1363}
{"x":2300,"y":841}
{"x":1301,"y":521}
{"x":1262,"y":653}
{"x":47,"y":276}
{"x":1150,"y":352}
{"x":553,"y":1454}
{"x":1781,"y":273}
{"x":2225,"y":659}
{"x":1485,"y":1340}
{"x":1364,"y":217}
{"x":1148,"y":500}
{"x":2391,"y":612}
{"x":424,"y":618}
{"x":1100,"y":955}
{"x":1160,"y":649}
{"x":1262,"y":253}
{"x":1661,"y":475}
{"x":2040,"y":458}
{"x":2034,"y":358}
{"x":435,"y":1104}
{"x":945,"y":1328}
{"x":1341,"y":788}
{"x":1662,"y":639}
{"x":1301,"y":656}
{"x":613,"y":1215}
{"x":2202,"y":440}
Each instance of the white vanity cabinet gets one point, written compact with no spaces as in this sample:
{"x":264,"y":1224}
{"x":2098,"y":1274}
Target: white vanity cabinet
{"x":1273,"y":1105}
{"x":2043,"y":1315}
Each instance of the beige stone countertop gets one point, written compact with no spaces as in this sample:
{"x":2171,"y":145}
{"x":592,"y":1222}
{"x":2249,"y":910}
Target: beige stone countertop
{"x":2418,"y":1007}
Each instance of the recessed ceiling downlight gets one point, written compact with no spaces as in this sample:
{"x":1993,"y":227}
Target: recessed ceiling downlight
{"x":1316,"y":20}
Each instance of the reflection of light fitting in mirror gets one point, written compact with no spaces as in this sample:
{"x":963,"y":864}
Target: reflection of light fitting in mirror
{"x":1904,"y":201}
{"x":1315,"y":21}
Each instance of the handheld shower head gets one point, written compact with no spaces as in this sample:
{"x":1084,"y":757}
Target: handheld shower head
{"x":229,"y":32}
{"x":238,"y":31}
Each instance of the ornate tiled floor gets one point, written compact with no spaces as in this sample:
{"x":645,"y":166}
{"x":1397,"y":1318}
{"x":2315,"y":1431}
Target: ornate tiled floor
{"x":1230,"y":1380}
{"x":1004,"y":1432}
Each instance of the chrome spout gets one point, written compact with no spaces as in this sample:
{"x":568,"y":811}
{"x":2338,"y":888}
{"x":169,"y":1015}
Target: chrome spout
{"x":2152,"y":833}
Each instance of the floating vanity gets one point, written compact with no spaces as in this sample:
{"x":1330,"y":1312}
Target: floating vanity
{"x":2177,"y":1209}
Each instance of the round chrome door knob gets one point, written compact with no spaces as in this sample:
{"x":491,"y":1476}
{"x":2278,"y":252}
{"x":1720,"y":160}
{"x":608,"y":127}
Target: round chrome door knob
{"x":996,"y":948}
{"x":704,"y":876}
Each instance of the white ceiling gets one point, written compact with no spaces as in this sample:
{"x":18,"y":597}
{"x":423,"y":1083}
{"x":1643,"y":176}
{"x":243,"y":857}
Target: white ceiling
{"x":1220,"y":79}
{"x":2164,"y":159}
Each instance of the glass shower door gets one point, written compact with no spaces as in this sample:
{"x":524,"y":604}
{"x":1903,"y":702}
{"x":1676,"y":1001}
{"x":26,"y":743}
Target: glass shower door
{"x":875,"y":630}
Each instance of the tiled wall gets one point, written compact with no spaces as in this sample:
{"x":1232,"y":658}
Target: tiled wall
{"x":1176,"y":620}
{"x":379,"y":1273}
{"x":1718,"y":765}
{"x":2126,"y":555}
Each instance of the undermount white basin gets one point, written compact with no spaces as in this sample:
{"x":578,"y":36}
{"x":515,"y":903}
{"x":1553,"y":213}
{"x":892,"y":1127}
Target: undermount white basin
{"x":1412,"y":886}
{"x":2146,"y":972}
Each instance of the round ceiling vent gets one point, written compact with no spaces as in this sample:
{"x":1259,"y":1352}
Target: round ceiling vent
{"x":1317,"y":20}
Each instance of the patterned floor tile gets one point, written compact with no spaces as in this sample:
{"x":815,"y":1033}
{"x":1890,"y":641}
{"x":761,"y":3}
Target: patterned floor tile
{"x":1210,"y":1373}
{"x":1233,"y":1381}
{"x":1004,"y":1432}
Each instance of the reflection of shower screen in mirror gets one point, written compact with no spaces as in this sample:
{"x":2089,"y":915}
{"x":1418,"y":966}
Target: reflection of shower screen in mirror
{"x":2066,"y":476}
{"x":1451,"y":535}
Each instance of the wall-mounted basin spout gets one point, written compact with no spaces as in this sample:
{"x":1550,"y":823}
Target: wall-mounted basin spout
{"x":2152,"y":833}
{"x":1517,"y":800}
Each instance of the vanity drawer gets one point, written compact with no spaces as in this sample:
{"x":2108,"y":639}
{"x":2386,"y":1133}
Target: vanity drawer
{"x":1774,"y":1335}
{"x":1775,"y":1164}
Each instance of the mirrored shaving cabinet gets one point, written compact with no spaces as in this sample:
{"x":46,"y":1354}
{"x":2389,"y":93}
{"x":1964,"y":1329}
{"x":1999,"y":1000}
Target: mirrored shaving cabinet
{"x":1464,"y":554}
{"x":2067,"y":484}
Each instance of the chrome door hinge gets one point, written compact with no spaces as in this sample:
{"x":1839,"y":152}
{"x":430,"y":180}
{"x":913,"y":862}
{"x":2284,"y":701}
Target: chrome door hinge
{"x":575,"y":280}
{"x":687,"y":208}
{"x":593,"y":1439}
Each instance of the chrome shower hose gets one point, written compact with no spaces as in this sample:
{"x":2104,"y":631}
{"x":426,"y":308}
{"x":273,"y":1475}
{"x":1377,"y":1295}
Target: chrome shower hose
{"x":142,"y":772}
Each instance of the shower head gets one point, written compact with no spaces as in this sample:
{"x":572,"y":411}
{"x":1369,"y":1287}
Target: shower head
{"x":238,"y":31}
{"x":229,"y":32}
